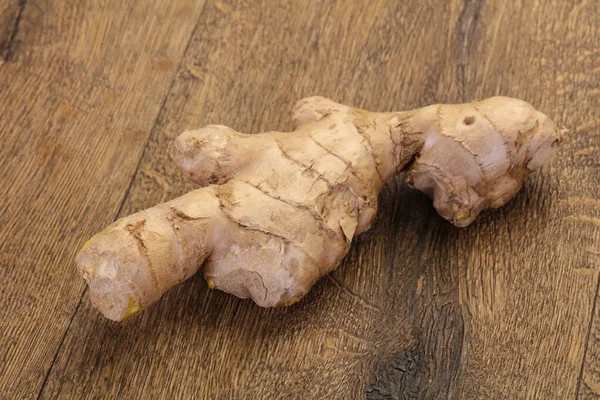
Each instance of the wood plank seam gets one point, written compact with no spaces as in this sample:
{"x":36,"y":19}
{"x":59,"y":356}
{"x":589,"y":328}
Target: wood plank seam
{"x":135,"y":173}
{"x":587,"y":340}
{"x":6,"y":57}
{"x":467,"y":24}
{"x":60,"y":344}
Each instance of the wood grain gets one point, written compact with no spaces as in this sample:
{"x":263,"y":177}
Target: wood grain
{"x":506,"y":308}
{"x":78,"y":98}
{"x":10,"y":17}
{"x":529,"y":297}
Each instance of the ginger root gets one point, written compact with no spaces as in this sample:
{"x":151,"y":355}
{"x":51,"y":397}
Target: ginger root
{"x":279,"y":210}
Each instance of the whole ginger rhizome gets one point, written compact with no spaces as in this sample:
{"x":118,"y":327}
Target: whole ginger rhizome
{"x":278,"y":210}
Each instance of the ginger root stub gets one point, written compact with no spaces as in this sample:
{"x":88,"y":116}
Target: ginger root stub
{"x":278,"y":210}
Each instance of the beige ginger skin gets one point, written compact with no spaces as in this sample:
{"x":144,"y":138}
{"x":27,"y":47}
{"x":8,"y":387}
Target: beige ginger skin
{"x":279,"y":210}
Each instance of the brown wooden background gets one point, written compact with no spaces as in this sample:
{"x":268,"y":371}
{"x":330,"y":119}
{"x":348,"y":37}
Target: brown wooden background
{"x":92,"y":92}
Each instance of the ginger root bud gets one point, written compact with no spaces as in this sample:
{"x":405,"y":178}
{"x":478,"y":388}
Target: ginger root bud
{"x":279,"y":210}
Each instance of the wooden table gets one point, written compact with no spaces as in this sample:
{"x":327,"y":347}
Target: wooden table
{"x":93,"y":92}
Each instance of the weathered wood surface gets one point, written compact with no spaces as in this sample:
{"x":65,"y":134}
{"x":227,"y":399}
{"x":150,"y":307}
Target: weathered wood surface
{"x":91,"y":95}
{"x":80,"y":93}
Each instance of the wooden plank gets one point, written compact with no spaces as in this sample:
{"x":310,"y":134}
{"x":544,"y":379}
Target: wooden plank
{"x":419,"y":309}
{"x":525,"y":283}
{"x":78,"y":99}
{"x":246,"y":66}
{"x":514,"y":292}
{"x":585,"y":207}
{"x":508,"y":300}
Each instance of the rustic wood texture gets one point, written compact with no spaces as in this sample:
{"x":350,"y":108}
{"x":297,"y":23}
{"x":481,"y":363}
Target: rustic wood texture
{"x":79,"y":96}
{"x":92,"y":94}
